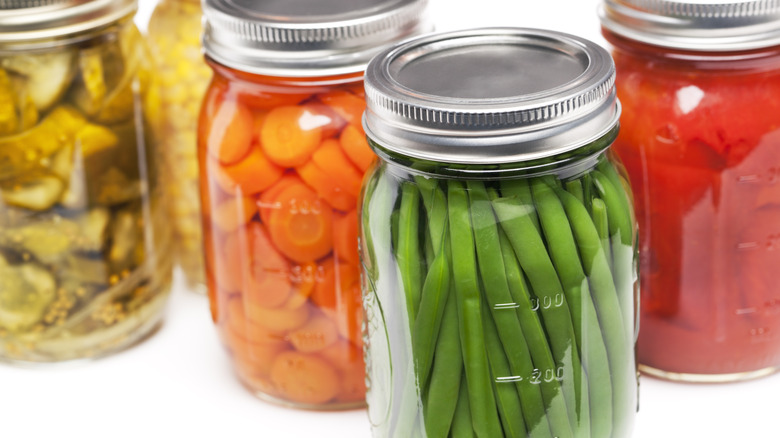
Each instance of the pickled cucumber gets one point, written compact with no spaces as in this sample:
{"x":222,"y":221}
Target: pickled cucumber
{"x":47,"y":76}
{"x":25,"y":293}
{"x":35,"y":191}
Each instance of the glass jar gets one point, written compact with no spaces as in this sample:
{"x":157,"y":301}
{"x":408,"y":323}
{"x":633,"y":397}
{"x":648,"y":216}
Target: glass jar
{"x":84,"y":259}
{"x":701,"y":140}
{"x":282,"y":155}
{"x":497,"y":240}
{"x":174,"y":36}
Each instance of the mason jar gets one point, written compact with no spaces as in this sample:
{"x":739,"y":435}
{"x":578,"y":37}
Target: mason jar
{"x":174,"y":40}
{"x":84,"y":251}
{"x":700,"y":87}
{"x":497,"y":240}
{"x":282,"y":156}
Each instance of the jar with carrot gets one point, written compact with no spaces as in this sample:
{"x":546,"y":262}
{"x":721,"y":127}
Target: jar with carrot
{"x":282,"y":155}
{"x":700,"y":88}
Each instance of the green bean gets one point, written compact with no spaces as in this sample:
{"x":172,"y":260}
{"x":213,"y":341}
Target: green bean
{"x":520,"y":189}
{"x":493,"y":275}
{"x":436,"y":206}
{"x":462,"y":425}
{"x":481,"y":399}
{"x":622,"y":242}
{"x":608,"y":309}
{"x":575,"y":188}
{"x":408,"y":252}
{"x":529,"y":248}
{"x":506,"y":395}
{"x":600,"y":220}
{"x":442,"y":394}
{"x":426,"y":326}
{"x":566,"y":259}
{"x":587,"y":190}
{"x":537,"y":344}
{"x":607,"y":168}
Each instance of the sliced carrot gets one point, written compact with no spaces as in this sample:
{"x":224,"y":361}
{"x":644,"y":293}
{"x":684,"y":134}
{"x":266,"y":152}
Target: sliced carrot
{"x":348,"y":360}
{"x":324,"y":185}
{"x":257,"y":126}
{"x":337,"y":279}
{"x":345,"y":237}
{"x":238,"y":322}
{"x":222,"y":263}
{"x":290,"y":134}
{"x":353,"y":142}
{"x":348,"y":105}
{"x":254,"y":381}
{"x":233,"y":213}
{"x":251,"y":175}
{"x":304,"y":278}
{"x":327,"y":118}
{"x":267,"y":201}
{"x":265,"y":274}
{"x":254,"y":358}
{"x":331,"y":158}
{"x":304,"y":378}
{"x":319,"y":332}
{"x":277,"y":320}
{"x":302,"y":229}
{"x":349,"y":318}
{"x":229,"y":133}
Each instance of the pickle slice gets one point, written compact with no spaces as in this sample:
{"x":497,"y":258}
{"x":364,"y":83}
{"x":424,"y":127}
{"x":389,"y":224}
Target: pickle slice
{"x":89,"y":91}
{"x":9,"y":118}
{"x":36,"y":191}
{"x":48,"y":241}
{"x":24,"y":151}
{"x":47,"y":75}
{"x":125,"y":237}
{"x":25,"y":293}
{"x":93,"y":227}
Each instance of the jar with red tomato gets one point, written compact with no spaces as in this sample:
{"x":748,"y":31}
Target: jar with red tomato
{"x":700,"y":137}
{"x":282,"y":155}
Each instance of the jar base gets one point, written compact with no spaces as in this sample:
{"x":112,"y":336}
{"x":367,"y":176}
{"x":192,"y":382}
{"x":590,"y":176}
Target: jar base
{"x":346,"y":406}
{"x":706,"y":378}
{"x":145,"y":330}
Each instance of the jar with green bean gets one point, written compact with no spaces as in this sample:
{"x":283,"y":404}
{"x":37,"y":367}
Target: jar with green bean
{"x":497,"y":240}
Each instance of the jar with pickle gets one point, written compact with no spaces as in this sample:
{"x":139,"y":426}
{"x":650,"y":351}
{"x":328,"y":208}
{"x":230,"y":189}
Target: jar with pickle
{"x":174,"y":40}
{"x":84,"y":250}
{"x":700,"y":87}
{"x":282,"y":156}
{"x":497,"y":240}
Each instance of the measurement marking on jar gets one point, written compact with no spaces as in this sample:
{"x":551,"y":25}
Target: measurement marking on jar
{"x":746,"y":311}
{"x":272,"y":206}
{"x":748,"y":179}
{"x":747,"y":245}
{"x":509,"y":379}
{"x":506,"y":306}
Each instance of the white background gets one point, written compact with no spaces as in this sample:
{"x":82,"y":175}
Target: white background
{"x":179,"y":382}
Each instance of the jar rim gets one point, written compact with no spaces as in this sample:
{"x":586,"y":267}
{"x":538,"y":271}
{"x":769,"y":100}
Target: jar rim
{"x":28,"y":21}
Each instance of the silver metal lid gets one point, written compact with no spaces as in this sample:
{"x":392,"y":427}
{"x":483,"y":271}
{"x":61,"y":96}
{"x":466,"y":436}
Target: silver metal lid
{"x":304,"y":38}
{"x":30,"y":20}
{"x":710,"y":26}
{"x":490,"y":96}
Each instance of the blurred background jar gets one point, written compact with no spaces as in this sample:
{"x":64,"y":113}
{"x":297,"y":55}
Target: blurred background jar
{"x":282,"y":155}
{"x":84,"y":252}
{"x":497,"y":240}
{"x":700,"y":136}
{"x":174,"y":39}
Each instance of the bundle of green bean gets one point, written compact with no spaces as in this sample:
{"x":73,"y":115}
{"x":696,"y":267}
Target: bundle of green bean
{"x":518,"y":298}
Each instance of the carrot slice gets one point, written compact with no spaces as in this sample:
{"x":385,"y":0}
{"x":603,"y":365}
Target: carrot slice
{"x":330,"y":158}
{"x":222,"y":267}
{"x":267,"y":201}
{"x":277,"y":320}
{"x":255,"y":359}
{"x":238,"y":322}
{"x":353,"y":142}
{"x":334,"y":194}
{"x":348,"y":105}
{"x":265,"y":274}
{"x":257,"y":126}
{"x":327,"y":118}
{"x":305,"y":278}
{"x":251,"y":175}
{"x":229,"y":133}
{"x":345,"y":237}
{"x":302,"y":229}
{"x":315,"y":335}
{"x":290,"y":134}
{"x":233,"y":213}
{"x":337,"y":279}
{"x":304,"y":378}
{"x":348,"y":361}
{"x":349,"y":318}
